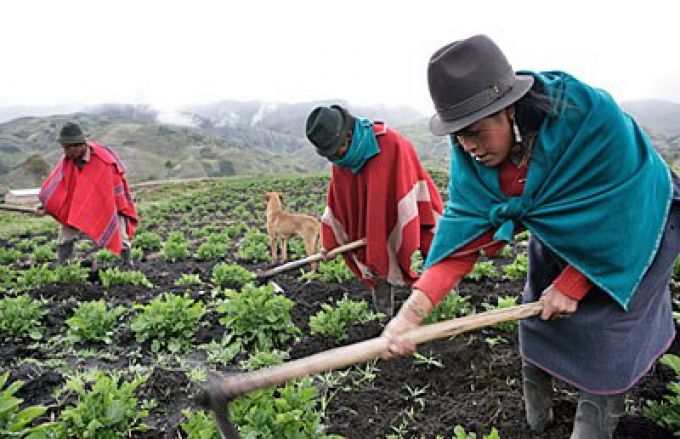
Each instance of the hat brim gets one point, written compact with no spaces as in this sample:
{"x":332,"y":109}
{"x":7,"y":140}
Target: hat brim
{"x":72,"y":141}
{"x":347,"y":125}
{"x":440,"y":127}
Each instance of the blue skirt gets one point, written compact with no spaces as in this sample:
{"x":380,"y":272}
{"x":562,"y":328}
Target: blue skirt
{"x":601,"y":348}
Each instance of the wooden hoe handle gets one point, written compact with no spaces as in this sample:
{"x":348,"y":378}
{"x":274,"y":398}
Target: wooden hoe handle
{"x":313,"y":258}
{"x":338,"y":358}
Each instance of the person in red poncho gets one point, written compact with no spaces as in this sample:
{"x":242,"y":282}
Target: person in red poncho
{"x":378,"y":191}
{"x":88,"y":194}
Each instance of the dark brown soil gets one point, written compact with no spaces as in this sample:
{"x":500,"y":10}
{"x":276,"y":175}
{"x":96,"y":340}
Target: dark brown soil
{"x":479,"y":387}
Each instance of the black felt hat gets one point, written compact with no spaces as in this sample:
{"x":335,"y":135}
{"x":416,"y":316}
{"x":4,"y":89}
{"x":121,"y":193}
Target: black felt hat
{"x":469,"y":80}
{"x":71,"y":134}
{"x":327,"y":128}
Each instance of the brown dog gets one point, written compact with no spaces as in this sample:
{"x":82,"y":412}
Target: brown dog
{"x":282,"y":224}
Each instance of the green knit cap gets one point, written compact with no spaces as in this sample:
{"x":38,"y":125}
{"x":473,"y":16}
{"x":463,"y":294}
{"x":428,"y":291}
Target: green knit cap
{"x":71,"y":134}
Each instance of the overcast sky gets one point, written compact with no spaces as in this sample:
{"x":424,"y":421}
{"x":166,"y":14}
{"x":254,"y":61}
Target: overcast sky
{"x":174,"y":53}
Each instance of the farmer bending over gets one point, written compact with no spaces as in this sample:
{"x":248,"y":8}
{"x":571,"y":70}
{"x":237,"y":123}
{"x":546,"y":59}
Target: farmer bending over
{"x":88,"y":194}
{"x":546,"y":152}
{"x":378,"y":191}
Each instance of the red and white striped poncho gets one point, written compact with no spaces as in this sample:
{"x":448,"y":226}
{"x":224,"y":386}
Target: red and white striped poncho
{"x":392,"y":202}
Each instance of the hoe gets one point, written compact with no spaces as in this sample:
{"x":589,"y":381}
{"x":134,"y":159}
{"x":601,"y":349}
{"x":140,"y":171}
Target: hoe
{"x":220,"y":389}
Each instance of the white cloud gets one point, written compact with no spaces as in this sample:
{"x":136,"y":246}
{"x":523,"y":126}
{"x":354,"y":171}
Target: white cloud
{"x":173,"y":53}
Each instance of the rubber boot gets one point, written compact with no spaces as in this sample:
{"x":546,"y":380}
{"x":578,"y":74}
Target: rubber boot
{"x":64,"y":252}
{"x":126,"y":259}
{"x":597,"y":416}
{"x":383,"y":298}
{"x":538,"y":391}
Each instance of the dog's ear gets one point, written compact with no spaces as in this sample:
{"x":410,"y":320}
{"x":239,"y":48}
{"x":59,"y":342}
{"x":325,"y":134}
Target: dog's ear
{"x":281,"y":196}
{"x":266,"y":196}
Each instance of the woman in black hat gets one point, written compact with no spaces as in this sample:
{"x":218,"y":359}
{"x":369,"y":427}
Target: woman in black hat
{"x":547,"y":153}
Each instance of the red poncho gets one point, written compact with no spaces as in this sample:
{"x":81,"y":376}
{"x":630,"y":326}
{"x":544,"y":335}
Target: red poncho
{"x":392,"y":202}
{"x":91,"y":199}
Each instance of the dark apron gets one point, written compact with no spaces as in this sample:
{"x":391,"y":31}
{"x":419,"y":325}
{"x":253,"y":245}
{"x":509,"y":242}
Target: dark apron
{"x":601,"y":348}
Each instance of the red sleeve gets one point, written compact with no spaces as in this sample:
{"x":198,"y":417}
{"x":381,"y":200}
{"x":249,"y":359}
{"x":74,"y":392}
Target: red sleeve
{"x":439,"y":279}
{"x":572,"y":283}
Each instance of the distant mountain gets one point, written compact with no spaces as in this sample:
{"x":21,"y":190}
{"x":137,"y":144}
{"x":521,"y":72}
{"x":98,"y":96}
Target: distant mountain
{"x":225,"y":138}
{"x":661,"y":117}
{"x":17,"y":111}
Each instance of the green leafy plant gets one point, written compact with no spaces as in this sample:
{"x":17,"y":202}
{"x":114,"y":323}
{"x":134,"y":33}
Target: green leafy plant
{"x":21,"y":317}
{"x":7,"y":276}
{"x":148,"y":241}
{"x":106,"y":408}
{"x":460,"y":433}
{"x":210,"y":251}
{"x":290,"y":411}
{"x":667,"y":412}
{"x":174,"y":251}
{"x":168,"y":321}
{"x":222,"y":351}
{"x":236,"y":229}
{"x":518,"y":269}
{"x":522,"y":236}
{"x":199,"y":425}
{"x":93,"y":321}
{"x":35,"y":277}
{"x":503,"y":302}
{"x":107,"y":257}
{"x":71,"y":273}
{"x":254,"y":246}
{"x":188,"y":280}
{"x":258,"y":315}
{"x":15,"y":422}
{"x":334,"y":320}
{"x":231,"y":275}
{"x":335,"y":271}
{"x":261,"y":359}
{"x":453,"y":305}
{"x":9,"y":256}
{"x":113,"y":276}
{"x":43,"y":254}
{"x":483,"y":270}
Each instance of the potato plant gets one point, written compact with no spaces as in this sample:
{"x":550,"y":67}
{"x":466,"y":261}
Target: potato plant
{"x":175,"y":251}
{"x":168,"y":321}
{"x":258,"y":316}
{"x":518,"y":269}
{"x":451,"y":306}
{"x":483,"y":270}
{"x":105,"y":408}
{"x":113,"y":276}
{"x":199,"y":425}
{"x":504,"y":302}
{"x":21,"y":317}
{"x":289,"y":411}
{"x":148,"y":241}
{"x":227,"y":275}
{"x":667,"y":411}
{"x":331,"y":271}
{"x":254,"y":247}
{"x":334,"y":320}
{"x":17,"y":421}
{"x":93,"y":321}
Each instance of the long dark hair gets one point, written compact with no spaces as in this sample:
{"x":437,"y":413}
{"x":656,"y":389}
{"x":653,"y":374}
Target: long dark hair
{"x":534,"y":107}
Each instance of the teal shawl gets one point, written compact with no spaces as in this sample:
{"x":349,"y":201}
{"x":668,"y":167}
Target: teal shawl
{"x":363,"y":146}
{"x":596,"y":192}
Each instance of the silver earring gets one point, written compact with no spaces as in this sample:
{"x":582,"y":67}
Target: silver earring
{"x":515,"y":130}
